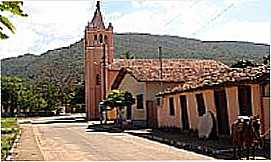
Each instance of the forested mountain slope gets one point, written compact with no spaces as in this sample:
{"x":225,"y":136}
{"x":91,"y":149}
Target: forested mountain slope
{"x":66,"y":63}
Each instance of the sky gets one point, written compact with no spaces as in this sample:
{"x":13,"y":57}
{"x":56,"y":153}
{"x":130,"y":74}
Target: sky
{"x":53,"y":24}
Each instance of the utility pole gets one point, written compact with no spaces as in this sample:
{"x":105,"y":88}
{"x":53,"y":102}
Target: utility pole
{"x":160,"y":60}
{"x":104,"y":79}
{"x":104,"y":66}
{"x":161,"y":67}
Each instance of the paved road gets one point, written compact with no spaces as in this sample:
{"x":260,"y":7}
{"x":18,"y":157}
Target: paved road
{"x":72,"y":142}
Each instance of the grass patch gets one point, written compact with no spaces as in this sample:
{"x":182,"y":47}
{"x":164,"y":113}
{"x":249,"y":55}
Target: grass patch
{"x":6,"y":144}
{"x":9,"y":123}
{"x":9,"y":131}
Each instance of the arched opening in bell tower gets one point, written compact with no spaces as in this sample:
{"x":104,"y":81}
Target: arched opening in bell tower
{"x":101,"y":38}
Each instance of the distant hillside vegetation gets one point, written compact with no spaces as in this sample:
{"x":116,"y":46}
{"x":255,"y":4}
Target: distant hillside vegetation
{"x":66,"y":63}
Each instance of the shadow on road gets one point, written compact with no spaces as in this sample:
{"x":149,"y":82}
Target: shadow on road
{"x":110,"y":128}
{"x":219,"y":148}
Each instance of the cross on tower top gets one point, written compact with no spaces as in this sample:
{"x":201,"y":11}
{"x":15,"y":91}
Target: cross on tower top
{"x":98,"y":5}
{"x":97,"y":20}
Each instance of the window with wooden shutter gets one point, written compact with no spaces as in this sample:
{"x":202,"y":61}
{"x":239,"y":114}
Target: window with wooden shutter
{"x":139,"y":101}
{"x":200,"y":103}
{"x":171,"y":106}
{"x":244,"y":97}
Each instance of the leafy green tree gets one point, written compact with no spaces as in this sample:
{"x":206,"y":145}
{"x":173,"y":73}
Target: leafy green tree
{"x":79,"y":94}
{"x":38,"y":103}
{"x":50,"y":93}
{"x":64,"y":81}
{"x":243,"y":64}
{"x":78,"y":97}
{"x":266,"y":60}
{"x":10,"y":90}
{"x":38,"y":97}
{"x":24,"y":99}
{"x":127,"y":55}
{"x":31,"y":99}
{"x":118,"y":99}
{"x":13,"y":7}
{"x":67,"y":95}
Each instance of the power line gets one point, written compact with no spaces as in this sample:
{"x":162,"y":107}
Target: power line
{"x":213,"y":19}
{"x":179,"y":15}
{"x":158,"y":42}
{"x":174,"y":17}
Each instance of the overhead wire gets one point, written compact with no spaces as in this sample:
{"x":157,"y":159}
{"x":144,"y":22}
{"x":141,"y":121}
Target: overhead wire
{"x":179,"y":14}
{"x":220,"y":14}
{"x":158,"y":42}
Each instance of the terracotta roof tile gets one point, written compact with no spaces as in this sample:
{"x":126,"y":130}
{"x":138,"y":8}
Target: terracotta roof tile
{"x":218,"y":77}
{"x":174,"y":70}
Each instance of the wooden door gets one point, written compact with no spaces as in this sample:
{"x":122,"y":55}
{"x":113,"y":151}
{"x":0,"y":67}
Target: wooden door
{"x":244,"y":96}
{"x":151,"y":115}
{"x":221,"y":112}
{"x":129,"y":112}
{"x":184,"y":113}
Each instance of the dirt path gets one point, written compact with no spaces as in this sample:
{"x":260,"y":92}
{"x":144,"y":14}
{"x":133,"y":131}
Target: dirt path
{"x":28,"y":148}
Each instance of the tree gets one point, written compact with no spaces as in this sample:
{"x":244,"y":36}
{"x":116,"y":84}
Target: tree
{"x":25,"y":99}
{"x":11,"y":88}
{"x":63,"y":77}
{"x":18,"y":94}
{"x":30,"y":99}
{"x":13,"y":7}
{"x":50,"y":93}
{"x":118,"y":99}
{"x":78,"y":97}
{"x":38,"y":103}
{"x":243,"y":64}
{"x":127,"y":55}
{"x":266,"y":60}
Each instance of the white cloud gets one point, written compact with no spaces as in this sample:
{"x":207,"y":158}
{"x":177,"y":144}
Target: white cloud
{"x":53,"y":24}
{"x":161,"y":17}
{"x":49,"y":25}
{"x":258,"y":32}
{"x":200,"y":19}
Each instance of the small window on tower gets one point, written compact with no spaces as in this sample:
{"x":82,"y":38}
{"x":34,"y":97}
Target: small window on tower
{"x":101,"y":38}
{"x":95,"y":37}
{"x":98,"y":79}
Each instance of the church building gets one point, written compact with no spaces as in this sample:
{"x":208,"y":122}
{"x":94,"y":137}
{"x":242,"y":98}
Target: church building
{"x":171,"y":92}
{"x":142,"y":77}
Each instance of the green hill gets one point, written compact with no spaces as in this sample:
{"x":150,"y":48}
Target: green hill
{"x":65,"y":64}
